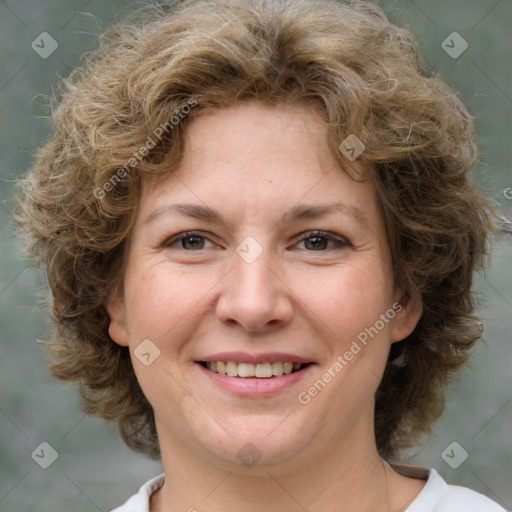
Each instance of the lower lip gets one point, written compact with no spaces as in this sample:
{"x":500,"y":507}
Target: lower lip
{"x":253,"y":386}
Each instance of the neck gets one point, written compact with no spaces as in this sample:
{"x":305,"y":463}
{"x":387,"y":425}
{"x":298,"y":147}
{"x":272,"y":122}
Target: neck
{"x":350,"y":477}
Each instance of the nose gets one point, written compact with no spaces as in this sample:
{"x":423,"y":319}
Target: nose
{"x":255,"y":295}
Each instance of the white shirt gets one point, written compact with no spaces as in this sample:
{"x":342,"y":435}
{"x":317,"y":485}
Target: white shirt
{"x":436,"y":496}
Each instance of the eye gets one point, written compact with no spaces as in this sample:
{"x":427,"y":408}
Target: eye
{"x":319,"y":241}
{"x":190,"y":241}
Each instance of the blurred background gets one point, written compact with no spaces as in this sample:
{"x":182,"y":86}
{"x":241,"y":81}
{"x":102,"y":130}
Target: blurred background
{"x":43,"y":40}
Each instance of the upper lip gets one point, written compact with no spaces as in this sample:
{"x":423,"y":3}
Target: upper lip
{"x":267,"y":357}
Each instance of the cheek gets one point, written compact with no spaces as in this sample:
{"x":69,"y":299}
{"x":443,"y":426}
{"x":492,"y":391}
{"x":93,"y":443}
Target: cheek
{"x":347,"y":299}
{"x":157,"y":299}
{"x":165,"y":302}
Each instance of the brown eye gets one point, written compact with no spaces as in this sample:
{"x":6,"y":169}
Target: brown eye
{"x":316,"y":243}
{"x":320,"y":241}
{"x":190,"y":241}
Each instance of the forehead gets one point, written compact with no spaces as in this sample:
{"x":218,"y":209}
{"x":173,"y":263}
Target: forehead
{"x":254,"y":154}
{"x":297,"y":132}
{"x":260,"y":135}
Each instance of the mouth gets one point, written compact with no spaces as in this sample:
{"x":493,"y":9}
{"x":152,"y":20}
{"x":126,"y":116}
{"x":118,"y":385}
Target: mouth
{"x":251,"y":375}
{"x":265,"y":370}
{"x":255,"y":375}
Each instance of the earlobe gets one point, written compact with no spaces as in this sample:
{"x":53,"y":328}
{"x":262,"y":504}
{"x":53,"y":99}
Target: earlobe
{"x":116,"y":311}
{"x":407,"y":317}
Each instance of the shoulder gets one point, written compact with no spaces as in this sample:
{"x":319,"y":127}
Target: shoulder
{"x":461,"y":498}
{"x":140,"y":502}
{"x":438,"y":496}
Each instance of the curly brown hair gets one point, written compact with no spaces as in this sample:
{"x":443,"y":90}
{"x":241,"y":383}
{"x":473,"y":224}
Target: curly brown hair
{"x":77,"y":205}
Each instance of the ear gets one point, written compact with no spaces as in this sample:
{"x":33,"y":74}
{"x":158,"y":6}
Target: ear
{"x":116,"y":311}
{"x":407,"y":316}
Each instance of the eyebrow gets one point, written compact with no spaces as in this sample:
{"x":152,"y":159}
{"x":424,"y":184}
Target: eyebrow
{"x":295,"y":213}
{"x":316,"y":211}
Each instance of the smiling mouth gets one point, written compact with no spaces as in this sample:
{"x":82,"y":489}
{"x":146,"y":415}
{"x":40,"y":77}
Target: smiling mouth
{"x":250,"y":370}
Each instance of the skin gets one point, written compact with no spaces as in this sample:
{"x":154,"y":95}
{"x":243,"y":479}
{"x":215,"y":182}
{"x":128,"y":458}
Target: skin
{"x":252,"y":163}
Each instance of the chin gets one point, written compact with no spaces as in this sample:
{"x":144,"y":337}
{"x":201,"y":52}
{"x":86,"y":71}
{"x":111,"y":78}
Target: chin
{"x":255,"y":443}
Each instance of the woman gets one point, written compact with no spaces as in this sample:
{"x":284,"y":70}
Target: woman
{"x":260,"y":234}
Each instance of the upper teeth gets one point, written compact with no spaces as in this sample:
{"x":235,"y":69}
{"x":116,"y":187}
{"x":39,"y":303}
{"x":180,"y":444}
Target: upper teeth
{"x":262,"y":370}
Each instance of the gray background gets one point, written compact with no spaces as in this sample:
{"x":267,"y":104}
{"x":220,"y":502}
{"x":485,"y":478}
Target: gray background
{"x":94,"y":470}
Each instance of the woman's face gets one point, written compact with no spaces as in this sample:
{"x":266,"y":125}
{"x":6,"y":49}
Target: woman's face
{"x":288,"y":262}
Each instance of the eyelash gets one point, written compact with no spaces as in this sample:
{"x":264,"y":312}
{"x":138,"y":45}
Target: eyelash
{"x":340,"y":241}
